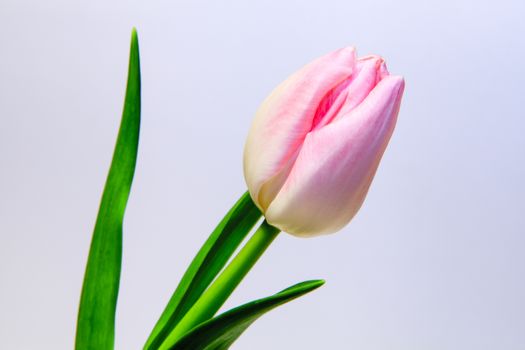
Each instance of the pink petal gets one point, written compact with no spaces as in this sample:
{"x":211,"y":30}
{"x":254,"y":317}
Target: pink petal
{"x":334,"y":168}
{"x":285,"y":118}
{"x":369,"y":71}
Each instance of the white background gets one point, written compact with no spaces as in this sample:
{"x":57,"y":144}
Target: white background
{"x":434,"y":260}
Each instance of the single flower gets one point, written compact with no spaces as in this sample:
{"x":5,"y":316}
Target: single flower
{"x":316,"y":142}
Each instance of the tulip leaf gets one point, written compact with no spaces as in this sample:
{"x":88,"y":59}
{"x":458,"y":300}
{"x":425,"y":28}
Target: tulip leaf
{"x":206,"y":265}
{"x":220,"y":332}
{"x":96,"y":315}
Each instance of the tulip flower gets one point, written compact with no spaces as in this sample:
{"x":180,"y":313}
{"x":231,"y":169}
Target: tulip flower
{"x":310,"y":157}
{"x":316,"y":142}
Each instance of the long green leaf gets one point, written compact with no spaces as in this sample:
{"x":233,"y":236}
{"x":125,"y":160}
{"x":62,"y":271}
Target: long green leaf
{"x":208,"y":262}
{"x":96,"y":315}
{"x":220,"y":332}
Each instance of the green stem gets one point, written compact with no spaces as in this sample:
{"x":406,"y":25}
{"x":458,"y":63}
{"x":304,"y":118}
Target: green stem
{"x":215,"y":296}
{"x":205,"y":266}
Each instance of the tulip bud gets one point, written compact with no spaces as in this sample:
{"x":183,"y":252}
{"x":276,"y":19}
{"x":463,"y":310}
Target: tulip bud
{"x":316,"y":142}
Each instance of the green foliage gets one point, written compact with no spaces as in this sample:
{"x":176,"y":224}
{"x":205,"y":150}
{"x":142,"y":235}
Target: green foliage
{"x":96,"y":315}
{"x":220,"y":332}
{"x":208,"y":262}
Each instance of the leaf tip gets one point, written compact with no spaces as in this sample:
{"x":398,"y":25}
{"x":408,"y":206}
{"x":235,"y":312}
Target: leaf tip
{"x":134,"y":43}
{"x":314,"y":284}
{"x":319,"y":283}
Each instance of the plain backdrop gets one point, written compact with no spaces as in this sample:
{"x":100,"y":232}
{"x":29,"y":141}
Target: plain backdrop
{"x":435,"y":259}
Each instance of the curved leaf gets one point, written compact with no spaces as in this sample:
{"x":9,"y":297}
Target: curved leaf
{"x":220,"y":332}
{"x":208,"y":262}
{"x":96,"y":315}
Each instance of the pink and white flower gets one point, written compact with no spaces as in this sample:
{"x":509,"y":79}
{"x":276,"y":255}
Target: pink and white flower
{"x":316,"y":142}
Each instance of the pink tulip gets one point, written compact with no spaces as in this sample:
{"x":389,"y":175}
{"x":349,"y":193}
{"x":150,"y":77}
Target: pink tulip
{"x":317,"y":140}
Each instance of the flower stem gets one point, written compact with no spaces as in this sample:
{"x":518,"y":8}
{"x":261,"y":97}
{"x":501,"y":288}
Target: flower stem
{"x":206,"y":266}
{"x":215,"y":296}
